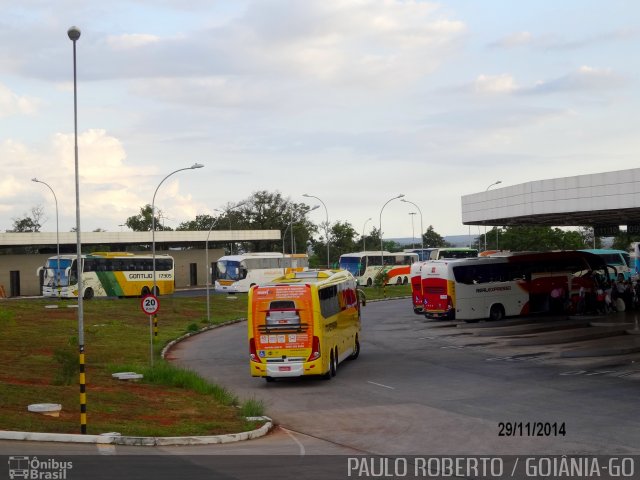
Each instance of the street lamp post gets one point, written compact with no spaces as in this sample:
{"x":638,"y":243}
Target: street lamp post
{"x":74,"y":35}
{"x":206,"y":260}
{"x":327,"y":224}
{"x":315,"y":207}
{"x":153,"y":221}
{"x":485,"y":227}
{"x":57,"y":278}
{"x":421,"y":226}
{"x":364,"y":244}
{"x":153,"y":250}
{"x":413,"y":232}
{"x":381,"y":245}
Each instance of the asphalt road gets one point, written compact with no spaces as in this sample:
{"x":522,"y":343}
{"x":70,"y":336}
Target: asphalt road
{"x":413,"y":393}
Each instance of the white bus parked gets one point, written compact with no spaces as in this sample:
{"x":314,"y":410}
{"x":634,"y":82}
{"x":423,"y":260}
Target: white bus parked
{"x":365,"y":266}
{"x":238,"y":273}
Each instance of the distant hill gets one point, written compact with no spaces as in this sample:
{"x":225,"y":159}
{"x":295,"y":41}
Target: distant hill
{"x":455,"y":240}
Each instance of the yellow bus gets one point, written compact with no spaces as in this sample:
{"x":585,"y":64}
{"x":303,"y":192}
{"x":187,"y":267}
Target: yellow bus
{"x":304,"y":323}
{"x":107,"y":274}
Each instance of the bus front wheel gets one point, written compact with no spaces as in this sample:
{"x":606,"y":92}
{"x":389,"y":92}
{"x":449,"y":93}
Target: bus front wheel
{"x":145,"y":291}
{"x":356,"y":350}
{"x":496,"y":313}
{"x":369,"y":282}
{"x":88,"y":294}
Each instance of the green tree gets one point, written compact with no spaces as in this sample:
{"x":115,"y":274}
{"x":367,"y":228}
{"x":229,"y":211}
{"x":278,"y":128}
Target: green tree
{"x":265,"y":210}
{"x":432,"y":239}
{"x":521,"y":238}
{"x":342,"y":239}
{"x":371,"y":241}
{"x":143,"y":222}
{"x":201,"y":222}
{"x":29,"y":223}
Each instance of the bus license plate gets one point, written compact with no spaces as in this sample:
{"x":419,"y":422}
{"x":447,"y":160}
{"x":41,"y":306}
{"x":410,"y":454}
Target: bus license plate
{"x":284,"y":369}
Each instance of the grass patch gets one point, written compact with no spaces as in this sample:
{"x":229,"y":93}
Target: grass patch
{"x":39,"y":364}
{"x":252,"y":408}
{"x":389,"y":291}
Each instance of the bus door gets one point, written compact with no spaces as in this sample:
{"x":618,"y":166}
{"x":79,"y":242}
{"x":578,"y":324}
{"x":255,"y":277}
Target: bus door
{"x":543,"y":283}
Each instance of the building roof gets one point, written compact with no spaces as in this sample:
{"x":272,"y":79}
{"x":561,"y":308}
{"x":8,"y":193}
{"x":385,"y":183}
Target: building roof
{"x":102,"y":238}
{"x":601,"y":199}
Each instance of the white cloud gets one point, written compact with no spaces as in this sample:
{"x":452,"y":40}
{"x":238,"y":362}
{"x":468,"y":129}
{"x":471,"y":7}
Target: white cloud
{"x":14,"y":104}
{"x":516,"y":39}
{"x":132,"y":40}
{"x":494,"y":84}
{"x":585,"y":78}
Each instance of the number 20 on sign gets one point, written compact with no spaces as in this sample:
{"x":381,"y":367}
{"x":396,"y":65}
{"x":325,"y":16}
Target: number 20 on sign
{"x":150,"y":304}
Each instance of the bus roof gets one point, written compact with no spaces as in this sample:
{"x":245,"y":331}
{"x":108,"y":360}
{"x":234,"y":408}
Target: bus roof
{"x":311,"y":276}
{"x":376,"y":253}
{"x":242,"y":256}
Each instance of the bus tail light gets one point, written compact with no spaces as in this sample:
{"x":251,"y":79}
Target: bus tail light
{"x":253,"y":354}
{"x":315,"y":350}
{"x":449,"y":303}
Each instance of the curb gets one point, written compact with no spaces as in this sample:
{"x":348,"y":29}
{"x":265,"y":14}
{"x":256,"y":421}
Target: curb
{"x":113,"y":439}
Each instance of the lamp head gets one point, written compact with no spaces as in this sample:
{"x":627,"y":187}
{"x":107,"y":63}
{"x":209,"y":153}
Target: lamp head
{"x":315,"y":207}
{"x":400,"y":196}
{"x":74,"y":33}
{"x":196,"y":165}
{"x":306,"y":195}
{"x":34,"y":179}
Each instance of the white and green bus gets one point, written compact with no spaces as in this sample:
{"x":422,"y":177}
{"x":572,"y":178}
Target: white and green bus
{"x":107,"y":274}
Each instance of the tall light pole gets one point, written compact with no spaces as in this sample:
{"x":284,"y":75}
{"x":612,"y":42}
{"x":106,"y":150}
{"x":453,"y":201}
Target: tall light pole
{"x":57,"y":278}
{"x":413,"y":232}
{"x":327,"y":224}
{"x":153,"y":221}
{"x":381,"y":245}
{"x":421,"y":226}
{"x":315,"y":207}
{"x":364,"y":244}
{"x":485,"y":227}
{"x":206,"y":260}
{"x":74,"y":35}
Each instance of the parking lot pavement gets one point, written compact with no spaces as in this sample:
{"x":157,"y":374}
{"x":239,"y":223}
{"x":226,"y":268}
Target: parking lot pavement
{"x":588,"y":345}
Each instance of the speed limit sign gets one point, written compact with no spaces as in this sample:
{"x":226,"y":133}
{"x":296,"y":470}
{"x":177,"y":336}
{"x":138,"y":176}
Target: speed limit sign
{"x":150,"y":304}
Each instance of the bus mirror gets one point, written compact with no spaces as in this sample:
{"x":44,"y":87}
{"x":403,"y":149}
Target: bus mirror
{"x":362,"y":297}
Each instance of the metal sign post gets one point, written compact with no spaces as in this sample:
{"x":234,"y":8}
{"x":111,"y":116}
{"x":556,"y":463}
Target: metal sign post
{"x":150,"y":305}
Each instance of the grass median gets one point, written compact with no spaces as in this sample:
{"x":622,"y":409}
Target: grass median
{"x":39,"y":364}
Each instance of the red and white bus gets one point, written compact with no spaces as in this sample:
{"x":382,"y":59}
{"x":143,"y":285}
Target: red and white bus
{"x":496,"y":287}
{"x":366,"y":266}
{"x":432,"y":254}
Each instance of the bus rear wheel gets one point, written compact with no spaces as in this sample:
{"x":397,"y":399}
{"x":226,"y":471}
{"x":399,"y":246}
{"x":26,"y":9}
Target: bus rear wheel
{"x":145,"y":291}
{"x":334,"y":362}
{"x":496,"y":313}
{"x":369,"y":282}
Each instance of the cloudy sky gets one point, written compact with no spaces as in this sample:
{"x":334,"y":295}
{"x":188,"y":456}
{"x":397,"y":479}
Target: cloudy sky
{"x":352,"y":101}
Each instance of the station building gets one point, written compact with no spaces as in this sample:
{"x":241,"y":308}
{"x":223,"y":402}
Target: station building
{"x":21,"y":254}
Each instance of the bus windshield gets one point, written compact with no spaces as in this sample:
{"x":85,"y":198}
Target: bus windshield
{"x":230,"y":270}
{"x":354,"y":265}
{"x":54,"y":276}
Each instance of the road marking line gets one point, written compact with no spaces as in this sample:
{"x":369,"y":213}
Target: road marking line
{"x":302,"y":450}
{"x":381,"y":385}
